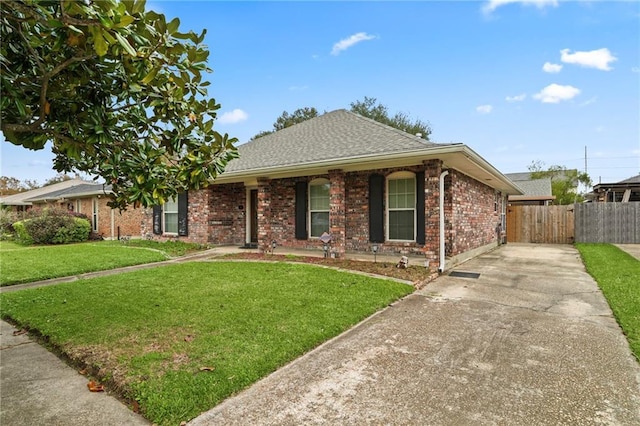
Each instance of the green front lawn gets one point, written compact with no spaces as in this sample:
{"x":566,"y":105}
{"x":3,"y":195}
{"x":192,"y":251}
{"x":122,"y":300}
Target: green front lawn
{"x":179,"y":339}
{"x":22,"y":264}
{"x":618,"y":275}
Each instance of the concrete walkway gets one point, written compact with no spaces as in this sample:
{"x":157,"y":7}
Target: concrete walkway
{"x":632,"y":249}
{"x":530,"y":341}
{"x":37,"y":388}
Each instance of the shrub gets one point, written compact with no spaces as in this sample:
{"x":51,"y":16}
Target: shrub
{"x":50,"y":226}
{"x":7,"y":218}
{"x":76,"y":231}
{"x":21,"y":234}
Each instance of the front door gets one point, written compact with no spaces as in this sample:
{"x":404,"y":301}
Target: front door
{"x":253,"y":211}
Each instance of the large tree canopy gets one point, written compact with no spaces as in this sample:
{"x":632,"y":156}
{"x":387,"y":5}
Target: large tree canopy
{"x":380,"y":113}
{"x":367,"y":108}
{"x":117,"y":90}
{"x":287,"y":120}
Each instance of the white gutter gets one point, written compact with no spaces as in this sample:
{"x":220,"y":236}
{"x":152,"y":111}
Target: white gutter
{"x":442,"y":256}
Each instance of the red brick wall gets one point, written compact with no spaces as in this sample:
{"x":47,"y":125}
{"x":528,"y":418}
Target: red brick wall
{"x":226,"y":221}
{"x":470,"y":213}
{"x":470,"y":217}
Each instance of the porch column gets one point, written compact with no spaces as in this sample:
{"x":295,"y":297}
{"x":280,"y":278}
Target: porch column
{"x":432,"y":171}
{"x":337,"y":210}
{"x":264,"y":214}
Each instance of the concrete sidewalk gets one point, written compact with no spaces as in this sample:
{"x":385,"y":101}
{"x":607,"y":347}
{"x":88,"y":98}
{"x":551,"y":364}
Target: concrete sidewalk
{"x":531,"y":340}
{"x":37,"y":388}
{"x":632,"y":249}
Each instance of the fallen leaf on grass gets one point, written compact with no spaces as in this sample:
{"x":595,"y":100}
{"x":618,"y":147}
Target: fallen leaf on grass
{"x":95,"y":387}
{"x":189,"y":338}
{"x":207,"y":368}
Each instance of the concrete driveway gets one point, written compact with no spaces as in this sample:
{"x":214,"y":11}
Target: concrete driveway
{"x":530,"y":341}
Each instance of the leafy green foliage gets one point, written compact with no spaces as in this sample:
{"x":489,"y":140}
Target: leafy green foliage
{"x":287,"y":120}
{"x":52,"y":226}
{"x":367,"y":108}
{"x":380,"y":113}
{"x":564,"y":182}
{"x":117,"y":90}
{"x":153,"y":330}
{"x":21,"y":234}
{"x":76,"y":231}
{"x":617,"y":275}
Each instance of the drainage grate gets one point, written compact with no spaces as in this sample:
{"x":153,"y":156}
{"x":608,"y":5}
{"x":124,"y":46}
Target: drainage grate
{"x":464,"y":274}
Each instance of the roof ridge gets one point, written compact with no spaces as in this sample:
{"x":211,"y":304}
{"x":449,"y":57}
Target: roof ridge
{"x":386,"y":126}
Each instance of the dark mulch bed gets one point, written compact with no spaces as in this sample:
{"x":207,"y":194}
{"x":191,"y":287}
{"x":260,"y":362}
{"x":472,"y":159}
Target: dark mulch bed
{"x":417,"y":274}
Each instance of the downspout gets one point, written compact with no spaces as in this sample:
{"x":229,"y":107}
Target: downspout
{"x":442,"y":257}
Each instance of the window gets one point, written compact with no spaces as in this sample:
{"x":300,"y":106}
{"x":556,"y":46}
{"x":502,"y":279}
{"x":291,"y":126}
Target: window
{"x":401,"y":205}
{"x":319,"y":206}
{"x":94,"y":214}
{"x":171,"y":217}
{"x":170,"y":220}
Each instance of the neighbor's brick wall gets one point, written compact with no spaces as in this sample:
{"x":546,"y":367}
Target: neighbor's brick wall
{"x":470,"y":213}
{"x":200,"y":205}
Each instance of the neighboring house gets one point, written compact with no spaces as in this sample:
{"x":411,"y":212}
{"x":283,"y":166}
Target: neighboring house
{"x":83,"y":197}
{"x":620,"y":192}
{"x":364,"y":183}
{"x":19,"y":202}
{"x":537,"y":192}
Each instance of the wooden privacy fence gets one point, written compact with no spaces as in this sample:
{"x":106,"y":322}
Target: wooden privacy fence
{"x":617,"y":223}
{"x":540,"y":224}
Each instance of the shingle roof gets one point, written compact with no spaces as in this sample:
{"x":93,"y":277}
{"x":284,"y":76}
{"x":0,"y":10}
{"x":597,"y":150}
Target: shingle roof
{"x":83,"y":189}
{"x":20,"y":199}
{"x":516,"y":177}
{"x":633,"y":179}
{"x":535,"y":187}
{"x":336,"y":135}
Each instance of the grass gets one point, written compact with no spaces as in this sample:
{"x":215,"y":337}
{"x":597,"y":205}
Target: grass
{"x":178,"y":339}
{"x":22,"y":264}
{"x":618,"y":275}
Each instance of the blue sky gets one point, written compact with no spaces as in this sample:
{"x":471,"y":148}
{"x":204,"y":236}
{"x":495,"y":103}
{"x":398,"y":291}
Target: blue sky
{"x":517,"y":81}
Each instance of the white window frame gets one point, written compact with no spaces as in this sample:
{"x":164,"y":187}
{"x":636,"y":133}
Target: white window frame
{"x":388,"y":210}
{"x":78,"y":205}
{"x":318,"y":182}
{"x":94,"y":214}
{"x":165,"y":212}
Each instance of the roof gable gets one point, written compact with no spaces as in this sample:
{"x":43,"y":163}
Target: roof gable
{"x":336,"y":135}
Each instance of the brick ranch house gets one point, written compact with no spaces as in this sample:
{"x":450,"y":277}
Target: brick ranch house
{"x":360,"y":181}
{"x":91,"y":199}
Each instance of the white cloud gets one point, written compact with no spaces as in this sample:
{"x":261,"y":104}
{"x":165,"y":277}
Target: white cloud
{"x":517,"y":98}
{"x":598,"y":59}
{"x":232,"y":117}
{"x":551,"y":68}
{"x":484,"y":109}
{"x":346,"y":43}
{"x":492,"y":5}
{"x":635,"y":69}
{"x":600,"y":129}
{"x":296,"y":88}
{"x":555,"y":93}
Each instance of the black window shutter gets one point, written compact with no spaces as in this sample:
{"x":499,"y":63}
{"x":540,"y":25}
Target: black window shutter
{"x":420,"y":219}
{"x":157,"y":220}
{"x":376,"y":208}
{"x":301,"y":210}
{"x":183,"y":204}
